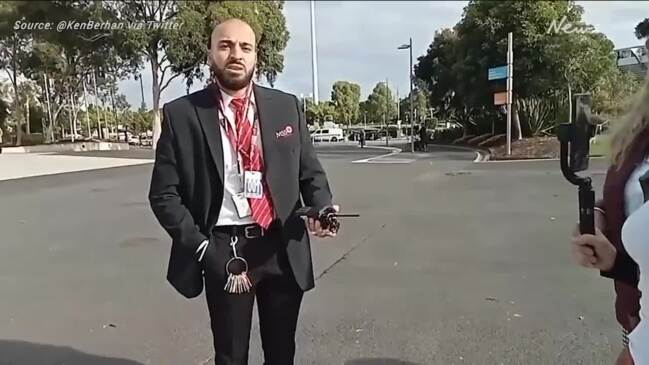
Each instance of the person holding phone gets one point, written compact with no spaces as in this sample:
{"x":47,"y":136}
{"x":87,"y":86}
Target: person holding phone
{"x":619,"y":248}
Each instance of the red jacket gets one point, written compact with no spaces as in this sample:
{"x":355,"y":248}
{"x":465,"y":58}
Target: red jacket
{"x":625,"y":271}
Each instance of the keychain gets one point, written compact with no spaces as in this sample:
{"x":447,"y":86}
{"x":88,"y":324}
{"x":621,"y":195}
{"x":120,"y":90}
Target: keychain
{"x":237,"y":270}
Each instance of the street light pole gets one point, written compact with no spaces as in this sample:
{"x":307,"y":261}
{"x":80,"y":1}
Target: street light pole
{"x":314,"y":57}
{"x":412,"y":120}
{"x":410,"y":98}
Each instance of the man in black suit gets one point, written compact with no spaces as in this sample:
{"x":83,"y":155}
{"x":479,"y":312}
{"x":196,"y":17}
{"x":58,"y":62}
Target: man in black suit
{"x":233,"y":163}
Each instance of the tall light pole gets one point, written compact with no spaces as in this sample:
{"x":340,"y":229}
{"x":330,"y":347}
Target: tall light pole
{"x":387,"y":113}
{"x":410,"y":98}
{"x":314,"y":56}
{"x":510,"y":81}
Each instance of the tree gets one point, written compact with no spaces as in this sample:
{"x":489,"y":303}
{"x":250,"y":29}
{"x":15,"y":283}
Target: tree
{"x":138,"y":122}
{"x":613,"y":93}
{"x":642,"y":29}
{"x":14,"y":47}
{"x":421,"y":108}
{"x":436,"y":70}
{"x":4,"y":111}
{"x":322,"y":112}
{"x":546,"y":61}
{"x":345,"y":97}
{"x":364,"y":112}
{"x":173,"y":50}
{"x":381,"y":104}
{"x":68,"y":57}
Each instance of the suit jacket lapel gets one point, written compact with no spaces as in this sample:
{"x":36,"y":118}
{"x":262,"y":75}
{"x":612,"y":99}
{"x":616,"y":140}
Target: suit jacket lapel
{"x":268,"y":118}
{"x":207,"y":111}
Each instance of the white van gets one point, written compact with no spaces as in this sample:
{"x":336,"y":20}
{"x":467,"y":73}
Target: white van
{"x":327,"y":135}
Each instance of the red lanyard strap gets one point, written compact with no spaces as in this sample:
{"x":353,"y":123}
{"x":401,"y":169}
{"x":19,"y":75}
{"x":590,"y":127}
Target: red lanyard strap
{"x":242,"y":151}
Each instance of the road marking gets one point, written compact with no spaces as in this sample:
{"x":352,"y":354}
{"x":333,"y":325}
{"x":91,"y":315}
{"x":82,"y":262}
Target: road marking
{"x":537,"y":160}
{"x":391,"y":161}
{"x":393,"y":152}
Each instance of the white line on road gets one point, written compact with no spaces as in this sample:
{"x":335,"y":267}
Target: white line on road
{"x":393,"y":152}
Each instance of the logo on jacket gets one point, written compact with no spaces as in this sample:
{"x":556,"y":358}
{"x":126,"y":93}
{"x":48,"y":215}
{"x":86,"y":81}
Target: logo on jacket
{"x":286,"y":132}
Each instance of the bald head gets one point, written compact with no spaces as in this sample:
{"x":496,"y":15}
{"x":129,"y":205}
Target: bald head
{"x":233,"y":54}
{"x":233,"y":27}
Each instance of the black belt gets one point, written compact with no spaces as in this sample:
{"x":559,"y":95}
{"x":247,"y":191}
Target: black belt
{"x":249,"y":231}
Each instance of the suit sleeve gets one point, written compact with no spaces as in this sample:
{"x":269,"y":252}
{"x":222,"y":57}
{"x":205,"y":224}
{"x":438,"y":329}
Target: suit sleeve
{"x":624,"y":269}
{"x":164,"y":193}
{"x":314,"y":185}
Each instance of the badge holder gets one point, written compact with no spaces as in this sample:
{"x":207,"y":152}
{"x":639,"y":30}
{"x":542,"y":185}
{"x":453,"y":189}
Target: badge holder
{"x":237,"y":270}
{"x":575,"y":150}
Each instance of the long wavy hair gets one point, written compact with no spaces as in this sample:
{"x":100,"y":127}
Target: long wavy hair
{"x":635,"y":122}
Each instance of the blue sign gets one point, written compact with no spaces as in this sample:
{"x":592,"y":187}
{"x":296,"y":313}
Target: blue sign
{"x":497,"y":73}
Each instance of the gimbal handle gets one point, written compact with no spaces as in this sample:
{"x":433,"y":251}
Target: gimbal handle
{"x":586,"y":193}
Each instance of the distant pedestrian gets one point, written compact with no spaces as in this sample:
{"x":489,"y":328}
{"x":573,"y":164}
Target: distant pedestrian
{"x":0,"y":140}
{"x":423,"y":138}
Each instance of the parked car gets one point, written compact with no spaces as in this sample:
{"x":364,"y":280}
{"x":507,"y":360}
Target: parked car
{"x":327,"y":135}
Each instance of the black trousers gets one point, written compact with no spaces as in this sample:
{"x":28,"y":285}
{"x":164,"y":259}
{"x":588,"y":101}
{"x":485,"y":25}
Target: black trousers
{"x":274,"y":287}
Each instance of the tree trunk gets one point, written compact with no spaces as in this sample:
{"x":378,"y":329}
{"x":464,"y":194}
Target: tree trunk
{"x":516,"y":121}
{"x":17,"y":109}
{"x":157,"y":128}
{"x":27,"y":119}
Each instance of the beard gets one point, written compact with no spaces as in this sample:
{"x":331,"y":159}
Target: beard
{"x":231,"y":81}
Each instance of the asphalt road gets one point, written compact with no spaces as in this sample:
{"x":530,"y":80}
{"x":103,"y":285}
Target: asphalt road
{"x":450,"y":263}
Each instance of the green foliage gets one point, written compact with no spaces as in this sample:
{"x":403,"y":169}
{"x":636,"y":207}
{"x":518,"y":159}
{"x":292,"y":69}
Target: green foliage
{"x":320,"y":112}
{"x":547,"y":63}
{"x":4,"y":112}
{"x":614,"y":92}
{"x":185,"y":47}
{"x":139,"y":121}
{"x":642,"y":29}
{"x":345,"y":98}
{"x":421,"y":108}
{"x":381,"y":104}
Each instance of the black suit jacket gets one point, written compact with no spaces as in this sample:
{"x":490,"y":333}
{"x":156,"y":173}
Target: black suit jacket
{"x":186,"y":190}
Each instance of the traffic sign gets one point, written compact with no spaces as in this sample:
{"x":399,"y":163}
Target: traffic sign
{"x":500,"y":98}
{"x":498,"y":73}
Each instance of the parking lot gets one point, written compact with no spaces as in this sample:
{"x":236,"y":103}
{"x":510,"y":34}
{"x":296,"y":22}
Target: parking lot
{"x":451,"y":262}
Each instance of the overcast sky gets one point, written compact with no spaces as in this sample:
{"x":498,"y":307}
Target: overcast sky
{"x":357,"y":41}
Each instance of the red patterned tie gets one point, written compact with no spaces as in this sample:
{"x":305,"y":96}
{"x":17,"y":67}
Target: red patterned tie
{"x":262,"y":209}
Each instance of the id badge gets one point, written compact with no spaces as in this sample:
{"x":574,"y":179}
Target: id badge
{"x":253,"y":188}
{"x":241,"y":203}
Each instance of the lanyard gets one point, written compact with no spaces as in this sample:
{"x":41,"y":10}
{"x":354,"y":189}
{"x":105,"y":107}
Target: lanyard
{"x":231,"y":131}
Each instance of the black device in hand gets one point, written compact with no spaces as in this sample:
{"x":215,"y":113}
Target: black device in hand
{"x":575,"y":150}
{"x":327,"y":216}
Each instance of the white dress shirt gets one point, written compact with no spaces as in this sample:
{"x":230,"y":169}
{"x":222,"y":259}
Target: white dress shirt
{"x":231,"y":178}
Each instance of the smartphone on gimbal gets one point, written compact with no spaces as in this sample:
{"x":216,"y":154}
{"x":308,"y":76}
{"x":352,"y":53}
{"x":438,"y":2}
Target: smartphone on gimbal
{"x":575,"y":140}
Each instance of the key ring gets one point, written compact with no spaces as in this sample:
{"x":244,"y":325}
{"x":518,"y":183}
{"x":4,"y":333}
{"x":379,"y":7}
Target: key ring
{"x":236,"y":258}
{"x":238,"y":281}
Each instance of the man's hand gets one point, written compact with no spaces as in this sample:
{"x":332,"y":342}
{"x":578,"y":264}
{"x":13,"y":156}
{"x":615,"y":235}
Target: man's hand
{"x":594,"y":251}
{"x":314,"y":227}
